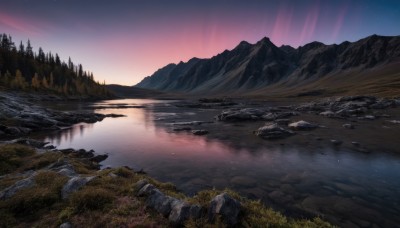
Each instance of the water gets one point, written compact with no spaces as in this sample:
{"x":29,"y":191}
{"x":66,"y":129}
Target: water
{"x":346,"y":188}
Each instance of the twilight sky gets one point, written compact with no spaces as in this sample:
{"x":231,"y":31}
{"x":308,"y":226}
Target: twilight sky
{"x":122,"y":41}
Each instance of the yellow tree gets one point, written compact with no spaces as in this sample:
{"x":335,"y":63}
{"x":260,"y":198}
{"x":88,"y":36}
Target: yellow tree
{"x":36,"y":81}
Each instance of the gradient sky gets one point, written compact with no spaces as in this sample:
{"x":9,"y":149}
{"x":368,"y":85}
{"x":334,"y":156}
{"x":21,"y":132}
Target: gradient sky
{"x":122,"y":41}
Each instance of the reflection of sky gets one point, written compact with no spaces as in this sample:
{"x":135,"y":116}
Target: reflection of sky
{"x":123,"y":41}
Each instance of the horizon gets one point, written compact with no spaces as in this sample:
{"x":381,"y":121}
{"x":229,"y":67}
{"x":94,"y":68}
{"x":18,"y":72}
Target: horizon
{"x":125,"y":41}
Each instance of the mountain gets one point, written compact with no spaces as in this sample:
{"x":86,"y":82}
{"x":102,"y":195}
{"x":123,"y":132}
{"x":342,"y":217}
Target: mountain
{"x":257,"y":69}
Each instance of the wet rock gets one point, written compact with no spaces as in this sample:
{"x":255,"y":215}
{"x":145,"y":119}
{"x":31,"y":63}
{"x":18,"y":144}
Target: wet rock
{"x":225,"y":206}
{"x":394,"y":121}
{"x":199,"y":132}
{"x":30,"y":142}
{"x":18,"y":186}
{"x":369,"y":117}
{"x":336,"y":142}
{"x":74,"y":184}
{"x":348,"y":126}
{"x":182,"y":129}
{"x":273,"y":131}
{"x":327,"y":114}
{"x":356,"y":144}
{"x":302,"y":125}
{"x":240,"y":115}
{"x":99,"y":158}
{"x":112,"y":115}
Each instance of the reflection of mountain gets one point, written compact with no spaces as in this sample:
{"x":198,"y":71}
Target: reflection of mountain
{"x":368,"y":65}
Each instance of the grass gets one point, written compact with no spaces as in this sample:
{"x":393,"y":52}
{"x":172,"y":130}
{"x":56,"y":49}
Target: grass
{"x":108,"y":200}
{"x":12,"y":157}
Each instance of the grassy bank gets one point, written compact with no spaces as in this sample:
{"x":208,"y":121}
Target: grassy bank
{"x":109,"y":200}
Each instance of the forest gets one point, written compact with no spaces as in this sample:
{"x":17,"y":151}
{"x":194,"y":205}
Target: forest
{"x":25,"y":70}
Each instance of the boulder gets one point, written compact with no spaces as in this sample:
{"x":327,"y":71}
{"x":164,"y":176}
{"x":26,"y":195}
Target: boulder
{"x":66,"y":225}
{"x":146,"y":190}
{"x":139,"y":185}
{"x":225,"y":206}
{"x":74,"y":184}
{"x":199,"y":132}
{"x":18,"y":186}
{"x":180,"y":212}
{"x":273,"y":131}
{"x":302,"y":125}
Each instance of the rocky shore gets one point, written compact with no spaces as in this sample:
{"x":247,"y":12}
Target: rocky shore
{"x":19,"y":117}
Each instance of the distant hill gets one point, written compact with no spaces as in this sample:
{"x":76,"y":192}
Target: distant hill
{"x":370,"y":65}
{"x":135,"y":92}
{"x":22,"y":69}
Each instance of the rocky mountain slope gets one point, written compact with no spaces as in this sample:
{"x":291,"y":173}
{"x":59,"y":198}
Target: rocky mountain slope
{"x":257,"y":69}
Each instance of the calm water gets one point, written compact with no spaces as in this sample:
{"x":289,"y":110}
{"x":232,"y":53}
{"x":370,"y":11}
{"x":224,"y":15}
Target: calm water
{"x":347,"y":188}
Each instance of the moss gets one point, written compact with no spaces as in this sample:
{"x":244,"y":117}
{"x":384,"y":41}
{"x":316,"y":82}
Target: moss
{"x":91,"y":198}
{"x":12,"y":157}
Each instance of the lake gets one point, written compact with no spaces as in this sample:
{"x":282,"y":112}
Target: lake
{"x":346,"y":188}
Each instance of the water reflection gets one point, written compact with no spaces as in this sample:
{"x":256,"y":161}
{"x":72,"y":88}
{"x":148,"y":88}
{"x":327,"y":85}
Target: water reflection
{"x":347,"y":188}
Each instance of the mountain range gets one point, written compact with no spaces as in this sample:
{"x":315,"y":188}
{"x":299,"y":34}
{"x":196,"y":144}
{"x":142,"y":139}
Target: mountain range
{"x":370,"y":65}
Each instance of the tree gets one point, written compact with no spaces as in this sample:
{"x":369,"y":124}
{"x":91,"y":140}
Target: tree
{"x":29,"y":51}
{"x":36,"y":81}
{"x":19,"y":81}
{"x":21,"y":50}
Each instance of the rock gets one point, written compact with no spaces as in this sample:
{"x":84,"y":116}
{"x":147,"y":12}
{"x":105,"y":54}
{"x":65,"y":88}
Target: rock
{"x":240,"y":115}
{"x":74,"y":184}
{"x":394,"y":121}
{"x":139,"y":185}
{"x":273,"y":131}
{"x":13,"y":131}
{"x":225,"y":206}
{"x":369,"y":117}
{"x":199,"y":132}
{"x":182,"y":129}
{"x":328,"y":114}
{"x":66,"y":225}
{"x":180,"y":212}
{"x":99,"y":158}
{"x":282,"y":121}
{"x":69,"y":172}
{"x":189,"y":123}
{"x":348,"y":126}
{"x":18,"y":186}
{"x":146,"y":190}
{"x":356,"y":144}
{"x":302,"y":125}
{"x":112,"y":115}
{"x":269,"y":116}
{"x":196,"y":211}
{"x":336,"y":142}
{"x":30,"y":142}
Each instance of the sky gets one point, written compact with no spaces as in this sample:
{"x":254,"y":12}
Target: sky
{"x":122,"y":41}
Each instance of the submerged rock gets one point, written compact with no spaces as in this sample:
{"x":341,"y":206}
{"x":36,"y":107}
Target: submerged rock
{"x":273,"y":131}
{"x":199,"y":132}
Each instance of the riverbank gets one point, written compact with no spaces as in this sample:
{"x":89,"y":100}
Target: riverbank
{"x":48,"y":188}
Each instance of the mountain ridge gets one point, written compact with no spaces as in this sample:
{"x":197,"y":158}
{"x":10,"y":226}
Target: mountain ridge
{"x":260,"y":66}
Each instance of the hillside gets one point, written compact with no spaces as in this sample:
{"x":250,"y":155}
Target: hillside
{"x":135,"y":92}
{"x":370,"y":65}
{"x":21,"y":69}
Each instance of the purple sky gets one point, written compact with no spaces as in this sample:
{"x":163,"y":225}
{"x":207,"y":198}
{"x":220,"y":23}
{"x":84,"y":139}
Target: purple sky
{"x":122,"y":41}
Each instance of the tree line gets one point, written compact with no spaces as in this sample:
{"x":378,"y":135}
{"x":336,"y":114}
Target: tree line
{"x":23,"y":69}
